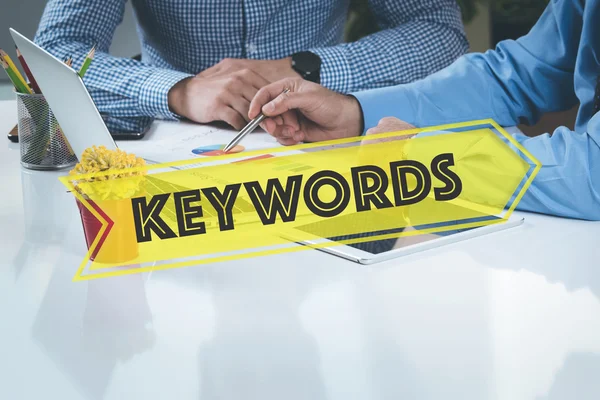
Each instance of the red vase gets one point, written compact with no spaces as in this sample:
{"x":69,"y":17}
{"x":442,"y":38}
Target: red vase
{"x":122,"y":246}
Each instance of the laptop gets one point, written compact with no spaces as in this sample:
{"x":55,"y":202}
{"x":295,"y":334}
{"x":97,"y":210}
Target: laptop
{"x":71,"y":103}
{"x":80,"y":120}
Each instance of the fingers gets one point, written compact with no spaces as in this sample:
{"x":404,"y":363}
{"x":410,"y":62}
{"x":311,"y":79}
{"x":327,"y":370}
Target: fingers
{"x":289,"y":118}
{"x":270,"y":92}
{"x":240,"y":105}
{"x":286,"y":102}
{"x":389,"y":124}
{"x":238,"y":90}
{"x":212,"y":71}
{"x":252,"y":83}
{"x":287,"y":135}
{"x":245,"y":84}
{"x":287,"y":141}
{"x":269,"y":125}
{"x":386,"y":125}
{"x":374,"y":130}
{"x":232,"y":117}
{"x":223,"y":67}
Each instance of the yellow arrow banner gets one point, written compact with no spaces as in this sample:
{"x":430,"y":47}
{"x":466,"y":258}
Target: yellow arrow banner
{"x":264,"y":202}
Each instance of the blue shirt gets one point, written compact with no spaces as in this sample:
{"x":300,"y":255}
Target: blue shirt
{"x":181,"y":38}
{"x":552,"y":68}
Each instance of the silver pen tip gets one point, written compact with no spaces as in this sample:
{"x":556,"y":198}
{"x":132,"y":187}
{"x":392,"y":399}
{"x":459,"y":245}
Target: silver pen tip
{"x":252,"y":125}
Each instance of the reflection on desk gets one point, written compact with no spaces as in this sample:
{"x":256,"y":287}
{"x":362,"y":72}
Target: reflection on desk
{"x":513,"y":315}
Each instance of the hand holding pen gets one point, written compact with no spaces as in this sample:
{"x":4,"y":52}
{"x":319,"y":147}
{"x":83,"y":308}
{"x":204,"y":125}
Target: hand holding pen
{"x":307,"y":113}
{"x":252,"y":125}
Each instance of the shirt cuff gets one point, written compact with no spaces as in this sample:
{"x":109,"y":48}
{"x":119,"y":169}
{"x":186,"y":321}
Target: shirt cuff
{"x":386,"y":102}
{"x":335,"y":73}
{"x":154,"y":99}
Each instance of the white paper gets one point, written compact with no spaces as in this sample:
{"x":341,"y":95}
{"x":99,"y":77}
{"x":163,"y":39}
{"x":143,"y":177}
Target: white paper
{"x":168,"y":142}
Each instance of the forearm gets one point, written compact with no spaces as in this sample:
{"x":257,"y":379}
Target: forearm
{"x":418,"y":39}
{"x":120,"y":87}
{"x":515,"y":83}
{"x":568,"y":183}
{"x":505,"y":85}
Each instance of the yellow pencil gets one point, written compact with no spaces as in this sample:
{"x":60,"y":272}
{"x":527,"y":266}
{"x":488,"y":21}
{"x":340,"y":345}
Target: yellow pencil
{"x":19,"y":87}
{"x":15,"y":71}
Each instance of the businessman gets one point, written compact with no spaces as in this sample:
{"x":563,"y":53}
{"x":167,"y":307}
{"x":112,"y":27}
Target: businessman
{"x":552,"y":68}
{"x":205,"y":60}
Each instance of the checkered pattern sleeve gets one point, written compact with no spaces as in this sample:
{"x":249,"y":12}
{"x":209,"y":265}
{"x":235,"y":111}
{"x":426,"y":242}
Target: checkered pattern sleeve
{"x":418,"y":37}
{"x":130,"y":91}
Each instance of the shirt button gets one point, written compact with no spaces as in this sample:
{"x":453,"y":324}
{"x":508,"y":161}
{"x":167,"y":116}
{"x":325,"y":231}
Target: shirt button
{"x":251,"y":48}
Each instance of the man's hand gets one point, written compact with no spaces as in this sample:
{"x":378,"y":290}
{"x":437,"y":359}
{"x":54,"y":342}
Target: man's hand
{"x":226,"y":98}
{"x":387,"y":125}
{"x":390,"y":124}
{"x":308,"y":113}
{"x":271,"y":70}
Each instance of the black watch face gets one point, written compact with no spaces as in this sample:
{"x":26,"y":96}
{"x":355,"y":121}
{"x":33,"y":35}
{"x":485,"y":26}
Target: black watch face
{"x":308,"y":65}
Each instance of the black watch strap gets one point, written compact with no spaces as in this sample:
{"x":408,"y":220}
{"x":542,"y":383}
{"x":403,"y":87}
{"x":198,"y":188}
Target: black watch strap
{"x":308,"y":65}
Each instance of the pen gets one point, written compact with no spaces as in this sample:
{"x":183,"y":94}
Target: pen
{"x":247,"y":129}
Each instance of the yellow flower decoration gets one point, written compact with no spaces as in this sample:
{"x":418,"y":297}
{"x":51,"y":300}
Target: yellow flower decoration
{"x":100,"y":159}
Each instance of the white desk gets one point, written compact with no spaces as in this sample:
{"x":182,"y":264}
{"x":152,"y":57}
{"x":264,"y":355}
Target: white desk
{"x":510,"y":316}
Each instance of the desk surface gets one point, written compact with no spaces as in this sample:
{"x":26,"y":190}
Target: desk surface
{"x":512,"y":315}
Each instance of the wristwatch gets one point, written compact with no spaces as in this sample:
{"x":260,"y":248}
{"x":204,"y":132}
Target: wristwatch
{"x":308,"y":65}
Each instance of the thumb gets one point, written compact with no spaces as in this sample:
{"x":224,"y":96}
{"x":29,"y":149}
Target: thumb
{"x":289,"y":101}
{"x":270,"y":92}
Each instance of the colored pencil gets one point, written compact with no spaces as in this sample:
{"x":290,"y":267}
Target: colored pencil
{"x":32,"y":81}
{"x":19,"y":86}
{"x":15,"y":72}
{"x":4,"y":65}
{"x":69,"y":61}
{"x":87,"y":61}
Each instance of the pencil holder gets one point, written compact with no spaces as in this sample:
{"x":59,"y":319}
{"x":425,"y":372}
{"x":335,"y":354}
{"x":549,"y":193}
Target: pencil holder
{"x":42,"y":142}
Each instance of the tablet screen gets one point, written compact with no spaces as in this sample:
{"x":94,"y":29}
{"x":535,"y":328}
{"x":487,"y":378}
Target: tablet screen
{"x":380,"y":246}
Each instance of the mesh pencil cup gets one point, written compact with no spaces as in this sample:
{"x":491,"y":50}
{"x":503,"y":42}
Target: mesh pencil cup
{"x":42,"y":142}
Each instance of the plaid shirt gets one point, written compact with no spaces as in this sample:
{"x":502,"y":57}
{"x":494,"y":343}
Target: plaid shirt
{"x":181,"y":38}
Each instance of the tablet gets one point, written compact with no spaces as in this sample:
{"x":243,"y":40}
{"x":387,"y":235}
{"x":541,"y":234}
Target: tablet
{"x":119,"y":130}
{"x":414,"y":238}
